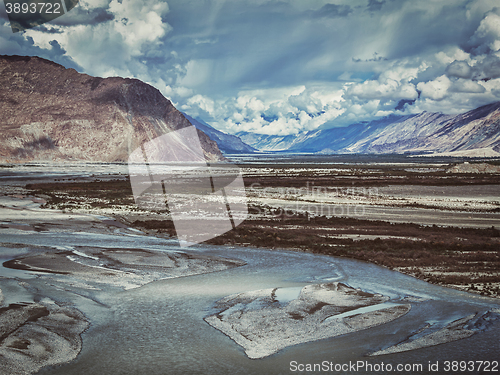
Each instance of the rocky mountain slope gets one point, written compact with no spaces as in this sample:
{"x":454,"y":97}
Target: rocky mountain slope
{"x":226,"y":142}
{"x":475,"y":133}
{"x":49,"y":112}
{"x":264,"y":142}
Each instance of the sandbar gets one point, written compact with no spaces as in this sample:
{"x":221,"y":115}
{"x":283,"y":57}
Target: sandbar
{"x":263,"y":325}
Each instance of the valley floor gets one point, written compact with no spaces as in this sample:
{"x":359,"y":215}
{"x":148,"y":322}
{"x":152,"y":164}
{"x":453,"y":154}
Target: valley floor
{"x":419,"y":219}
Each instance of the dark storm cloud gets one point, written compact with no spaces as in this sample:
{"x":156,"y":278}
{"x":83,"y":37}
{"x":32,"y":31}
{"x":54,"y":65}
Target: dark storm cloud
{"x":422,"y":29}
{"x":333,"y":10}
{"x":482,"y":42}
{"x":82,"y":16}
{"x":52,"y":30}
{"x":404,"y":102}
{"x":466,"y":86}
{"x":375,"y":58}
{"x":459,"y":69}
{"x":288,"y":64}
{"x":486,"y":69}
{"x":17,"y":44}
{"x":375,"y":5}
{"x":243,"y":45}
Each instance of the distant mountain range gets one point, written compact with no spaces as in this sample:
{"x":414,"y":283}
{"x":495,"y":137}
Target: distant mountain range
{"x":48,"y":112}
{"x":475,"y":133}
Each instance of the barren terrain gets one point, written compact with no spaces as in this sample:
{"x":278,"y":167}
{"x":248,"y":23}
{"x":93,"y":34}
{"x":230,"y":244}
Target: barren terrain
{"x":423,"y":220}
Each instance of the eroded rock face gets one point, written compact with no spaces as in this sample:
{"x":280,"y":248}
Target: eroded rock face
{"x":49,"y":112}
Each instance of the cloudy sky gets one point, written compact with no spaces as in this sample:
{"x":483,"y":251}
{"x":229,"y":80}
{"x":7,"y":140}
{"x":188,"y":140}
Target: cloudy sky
{"x":282,"y":67}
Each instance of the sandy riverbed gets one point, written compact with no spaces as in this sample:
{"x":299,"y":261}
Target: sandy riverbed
{"x":38,"y":334}
{"x":456,"y":330}
{"x":266,"y":321}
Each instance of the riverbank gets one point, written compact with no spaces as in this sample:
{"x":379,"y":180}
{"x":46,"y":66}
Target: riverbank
{"x":34,"y":335}
{"x":421,"y":220}
{"x":264,"y":322}
{"x":49,"y":255}
{"x":465,"y":259}
{"x":78,"y":218}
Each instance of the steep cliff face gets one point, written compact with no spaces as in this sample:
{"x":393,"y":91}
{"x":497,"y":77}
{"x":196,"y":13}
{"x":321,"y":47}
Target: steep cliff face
{"x":48,"y":112}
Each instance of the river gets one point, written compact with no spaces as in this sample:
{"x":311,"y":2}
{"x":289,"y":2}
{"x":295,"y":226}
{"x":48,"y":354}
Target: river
{"x":159,"y":327}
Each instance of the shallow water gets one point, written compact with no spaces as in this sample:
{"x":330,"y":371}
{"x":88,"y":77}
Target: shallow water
{"x":362,"y":310}
{"x":159,"y":328}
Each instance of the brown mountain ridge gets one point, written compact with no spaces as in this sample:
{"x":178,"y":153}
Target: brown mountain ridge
{"x":49,"y":112}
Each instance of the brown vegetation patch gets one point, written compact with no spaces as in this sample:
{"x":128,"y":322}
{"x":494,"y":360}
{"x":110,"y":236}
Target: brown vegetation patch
{"x":466,"y":258}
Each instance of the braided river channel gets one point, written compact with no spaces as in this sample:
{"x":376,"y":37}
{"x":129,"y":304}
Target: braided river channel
{"x":159,"y":328}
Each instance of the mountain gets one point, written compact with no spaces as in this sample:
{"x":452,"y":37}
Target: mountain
{"x":226,"y":142}
{"x":263,"y":142}
{"x":477,"y":130}
{"x":475,"y":133}
{"x":332,"y":140}
{"x":49,"y":112}
{"x":400,"y":136}
{"x":338,"y":140}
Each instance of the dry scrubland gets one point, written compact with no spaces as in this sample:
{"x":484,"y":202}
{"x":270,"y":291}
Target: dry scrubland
{"x":463,"y":258}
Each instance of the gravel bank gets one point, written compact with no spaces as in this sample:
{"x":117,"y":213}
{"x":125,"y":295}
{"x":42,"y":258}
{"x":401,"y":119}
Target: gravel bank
{"x":263,"y":322}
